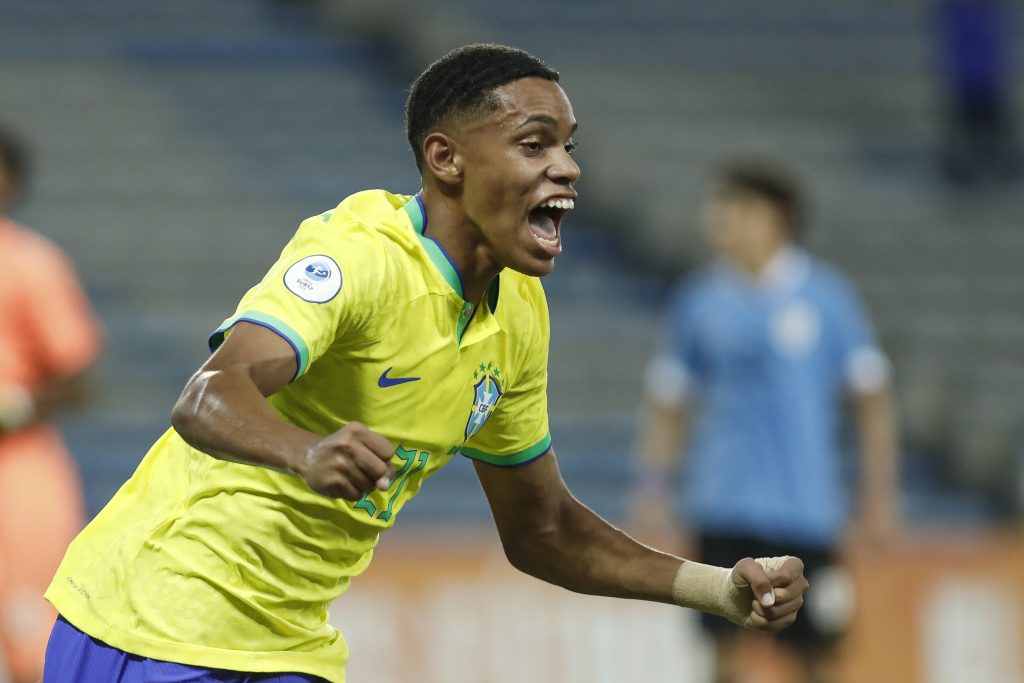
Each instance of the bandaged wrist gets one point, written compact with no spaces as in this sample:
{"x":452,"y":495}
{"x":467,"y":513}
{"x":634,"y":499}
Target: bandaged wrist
{"x":712,"y":590}
{"x":17,"y":408}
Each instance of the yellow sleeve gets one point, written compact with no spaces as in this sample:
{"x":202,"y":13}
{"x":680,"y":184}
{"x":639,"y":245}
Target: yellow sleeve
{"x":325,"y":286}
{"x":517,"y":430}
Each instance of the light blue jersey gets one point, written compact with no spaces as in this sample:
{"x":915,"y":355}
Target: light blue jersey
{"x":765,"y":364}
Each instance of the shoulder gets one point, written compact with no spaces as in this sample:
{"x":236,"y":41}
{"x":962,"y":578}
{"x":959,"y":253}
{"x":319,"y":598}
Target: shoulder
{"x":522,"y":290}
{"x":28,"y":242}
{"x":366,"y":228}
{"x":29,"y":251}
{"x":369,"y":206}
{"x":828,"y":279}
{"x":368,"y":213}
{"x":522,"y":305}
{"x":696,"y":287}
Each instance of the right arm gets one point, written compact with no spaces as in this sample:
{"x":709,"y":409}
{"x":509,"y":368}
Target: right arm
{"x":664,"y":423}
{"x":662,"y":433}
{"x":223,"y":412}
{"x":657,"y":460}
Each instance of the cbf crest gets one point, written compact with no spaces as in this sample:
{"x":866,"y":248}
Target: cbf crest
{"x":486,"y":393}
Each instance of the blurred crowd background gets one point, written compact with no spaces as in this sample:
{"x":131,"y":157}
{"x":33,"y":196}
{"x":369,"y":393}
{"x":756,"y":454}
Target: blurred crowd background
{"x":177,"y":145}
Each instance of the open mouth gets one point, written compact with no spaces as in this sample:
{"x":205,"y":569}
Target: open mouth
{"x":545,"y":220}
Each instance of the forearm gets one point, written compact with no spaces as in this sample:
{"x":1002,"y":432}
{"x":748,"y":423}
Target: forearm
{"x":549,"y":534}
{"x":224,"y":414}
{"x":879,"y":455}
{"x":661,"y":435}
{"x":583,"y":553}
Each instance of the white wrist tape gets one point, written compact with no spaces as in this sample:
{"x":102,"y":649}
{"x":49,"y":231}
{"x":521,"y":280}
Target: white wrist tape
{"x":712,"y":590}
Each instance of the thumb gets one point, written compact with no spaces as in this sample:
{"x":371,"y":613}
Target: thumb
{"x":750,"y":573}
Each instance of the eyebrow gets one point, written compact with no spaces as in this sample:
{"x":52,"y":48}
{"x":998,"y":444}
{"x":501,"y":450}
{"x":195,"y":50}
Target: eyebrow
{"x":547,"y":120}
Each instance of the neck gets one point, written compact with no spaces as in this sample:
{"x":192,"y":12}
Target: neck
{"x":755,"y":262}
{"x":449,"y":226}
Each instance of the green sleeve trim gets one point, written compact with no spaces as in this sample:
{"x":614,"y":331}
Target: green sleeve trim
{"x":283,"y":329}
{"x":513,"y":459}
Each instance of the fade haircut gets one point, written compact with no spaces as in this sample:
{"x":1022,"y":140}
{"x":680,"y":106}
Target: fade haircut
{"x":768,"y":181}
{"x":462,"y":84}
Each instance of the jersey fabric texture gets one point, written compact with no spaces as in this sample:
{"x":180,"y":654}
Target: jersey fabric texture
{"x":47,"y":331}
{"x":766,"y":364}
{"x":213,"y":563}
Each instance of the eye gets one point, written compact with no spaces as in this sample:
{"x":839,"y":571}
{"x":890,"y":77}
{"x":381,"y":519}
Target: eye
{"x":532,"y":146}
{"x":570,"y":146}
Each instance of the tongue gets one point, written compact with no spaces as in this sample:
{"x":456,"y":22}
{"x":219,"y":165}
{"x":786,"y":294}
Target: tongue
{"x":542,"y":225}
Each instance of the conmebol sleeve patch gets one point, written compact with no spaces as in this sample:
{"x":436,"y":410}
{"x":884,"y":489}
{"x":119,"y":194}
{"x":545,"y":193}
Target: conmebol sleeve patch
{"x":316,"y":279}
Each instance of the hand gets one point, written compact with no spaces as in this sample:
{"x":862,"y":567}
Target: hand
{"x":776,"y":588}
{"x":348,"y":463}
{"x":17,"y":408}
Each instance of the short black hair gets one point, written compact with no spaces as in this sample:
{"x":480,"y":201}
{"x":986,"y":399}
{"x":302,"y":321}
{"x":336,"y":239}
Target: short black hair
{"x":463,"y":82}
{"x":14,"y":160}
{"x":767,"y":180}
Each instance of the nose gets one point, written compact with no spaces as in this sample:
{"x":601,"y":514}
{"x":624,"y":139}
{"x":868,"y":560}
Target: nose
{"x":565,"y":170}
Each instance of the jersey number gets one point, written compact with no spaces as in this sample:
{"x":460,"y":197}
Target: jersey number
{"x":412,"y":462}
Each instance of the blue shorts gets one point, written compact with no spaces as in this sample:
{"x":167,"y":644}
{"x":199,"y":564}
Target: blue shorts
{"x":74,"y":657}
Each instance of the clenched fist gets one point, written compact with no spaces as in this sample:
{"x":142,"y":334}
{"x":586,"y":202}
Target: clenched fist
{"x":775,"y":589}
{"x":348,"y":463}
{"x":763,"y":594}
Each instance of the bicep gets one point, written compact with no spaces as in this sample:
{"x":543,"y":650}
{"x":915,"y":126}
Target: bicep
{"x":525,"y":500}
{"x":258,"y":352}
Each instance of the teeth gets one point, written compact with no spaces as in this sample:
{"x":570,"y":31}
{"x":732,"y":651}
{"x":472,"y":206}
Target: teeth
{"x":551,"y":242}
{"x":558,"y":203}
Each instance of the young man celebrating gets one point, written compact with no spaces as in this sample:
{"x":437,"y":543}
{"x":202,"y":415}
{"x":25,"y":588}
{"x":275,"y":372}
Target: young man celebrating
{"x":393,"y":333}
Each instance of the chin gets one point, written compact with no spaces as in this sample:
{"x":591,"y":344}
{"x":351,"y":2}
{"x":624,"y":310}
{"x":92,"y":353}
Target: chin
{"x":534,"y":267}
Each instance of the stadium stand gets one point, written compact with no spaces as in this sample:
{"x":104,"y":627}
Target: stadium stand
{"x":180,"y":144}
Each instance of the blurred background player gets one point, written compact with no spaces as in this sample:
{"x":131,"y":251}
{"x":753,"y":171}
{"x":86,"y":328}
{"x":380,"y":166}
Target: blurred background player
{"x":48,"y":337}
{"x":761,"y":348}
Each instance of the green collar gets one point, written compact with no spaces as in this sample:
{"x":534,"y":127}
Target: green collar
{"x":442,"y":261}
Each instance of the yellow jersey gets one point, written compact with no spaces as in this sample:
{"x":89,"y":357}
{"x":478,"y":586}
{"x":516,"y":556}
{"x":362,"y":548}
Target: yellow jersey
{"x":219,"y":564}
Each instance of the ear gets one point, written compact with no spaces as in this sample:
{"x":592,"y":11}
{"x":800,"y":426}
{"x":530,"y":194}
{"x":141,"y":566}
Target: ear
{"x":440,"y":156}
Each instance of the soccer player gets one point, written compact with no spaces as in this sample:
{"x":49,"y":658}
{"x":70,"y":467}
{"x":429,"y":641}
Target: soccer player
{"x":394,"y":333}
{"x":762,"y":348}
{"x":48,"y":338}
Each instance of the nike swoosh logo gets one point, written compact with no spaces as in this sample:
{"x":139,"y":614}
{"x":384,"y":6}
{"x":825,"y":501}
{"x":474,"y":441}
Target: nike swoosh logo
{"x":384,"y":381}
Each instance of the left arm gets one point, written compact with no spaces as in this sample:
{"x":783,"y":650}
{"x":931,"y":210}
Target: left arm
{"x":547,"y":533}
{"x":876,"y":431}
{"x":65,"y":337}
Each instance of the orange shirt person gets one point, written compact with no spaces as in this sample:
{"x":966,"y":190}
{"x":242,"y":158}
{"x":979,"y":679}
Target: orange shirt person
{"x":48,"y":337}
